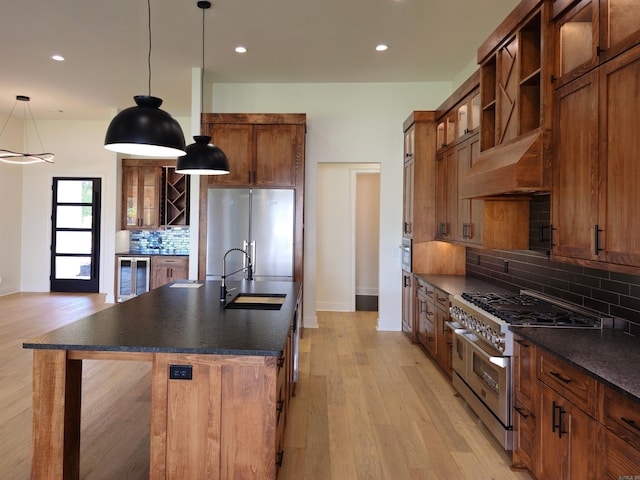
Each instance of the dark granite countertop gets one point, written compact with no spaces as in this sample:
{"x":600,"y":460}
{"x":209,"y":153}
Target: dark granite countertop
{"x":609,"y":355}
{"x":456,"y":284}
{"x":182,"y":320}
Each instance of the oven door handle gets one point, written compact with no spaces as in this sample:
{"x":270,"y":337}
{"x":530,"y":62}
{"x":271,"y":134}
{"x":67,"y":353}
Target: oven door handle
{"x":502,"y":362}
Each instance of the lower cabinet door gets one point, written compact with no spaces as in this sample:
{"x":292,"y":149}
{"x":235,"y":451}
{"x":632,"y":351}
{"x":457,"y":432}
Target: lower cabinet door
{"x":567,"y":439}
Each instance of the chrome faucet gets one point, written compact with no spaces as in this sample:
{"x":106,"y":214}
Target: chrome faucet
{"x":248,"y":268}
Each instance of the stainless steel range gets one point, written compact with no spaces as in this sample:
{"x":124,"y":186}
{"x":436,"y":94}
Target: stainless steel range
{"x":483,"y":346}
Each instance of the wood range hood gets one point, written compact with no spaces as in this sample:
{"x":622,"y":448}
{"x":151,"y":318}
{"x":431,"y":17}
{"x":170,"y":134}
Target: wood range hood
{"x":518,"y":167}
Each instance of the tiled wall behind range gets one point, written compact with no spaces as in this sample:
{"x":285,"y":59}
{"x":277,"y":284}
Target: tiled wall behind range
{"x":610,"y":293}
{"x":172,"y":240}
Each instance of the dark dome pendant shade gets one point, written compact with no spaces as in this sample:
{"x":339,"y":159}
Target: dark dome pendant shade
{"x":203,"y":158}
{"x":145,"y":130}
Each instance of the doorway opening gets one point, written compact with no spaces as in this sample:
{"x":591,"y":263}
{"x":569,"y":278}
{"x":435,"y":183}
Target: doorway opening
{"x":75,"y":235}
{"x":367,"y":242}
{"x":348,"y":230}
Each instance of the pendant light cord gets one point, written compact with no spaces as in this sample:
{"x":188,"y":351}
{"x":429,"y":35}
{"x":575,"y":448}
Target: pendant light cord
{"x":149,"y":56}
{"x":202,"y":69}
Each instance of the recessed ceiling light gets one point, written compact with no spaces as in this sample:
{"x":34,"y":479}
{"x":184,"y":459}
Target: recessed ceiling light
{"x":58,"y":58}
{"x":381,"y":48}
{"x":241,"y":49}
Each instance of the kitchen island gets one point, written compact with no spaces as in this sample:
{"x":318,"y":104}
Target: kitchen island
{"x":221,"y":380}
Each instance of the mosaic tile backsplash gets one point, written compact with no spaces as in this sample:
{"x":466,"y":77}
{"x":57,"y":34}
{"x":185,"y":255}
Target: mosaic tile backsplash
{"x":613,"y":294}
{"x":173,"y":241}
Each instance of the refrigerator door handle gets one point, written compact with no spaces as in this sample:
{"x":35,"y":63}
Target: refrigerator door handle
{"x":245,"y":247}
{"x":253,"y":255}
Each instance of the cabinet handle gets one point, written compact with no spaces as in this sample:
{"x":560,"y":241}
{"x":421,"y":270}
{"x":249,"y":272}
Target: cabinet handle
{"x":596,"y":231}
{"x":440,"y":299}
{"x":564,"y":380}
{"x":280,"y":362}
{"x":443,"y":229}
{"x":557,"y":424}
{"x":407,"y":281}
{"x":280,"y":405}
{"x":279,"y":458}
{"x":631,"y":423}
{"x":521,"y":412}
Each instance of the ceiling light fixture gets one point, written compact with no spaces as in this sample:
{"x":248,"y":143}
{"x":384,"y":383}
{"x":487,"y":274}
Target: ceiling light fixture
{"x":57,"y":58}
{"x":382,"y":47}
{"x":145,"y":129}
{"x":18,"y":158}
{"x":241,"y":49}
{"x":202,"y":158}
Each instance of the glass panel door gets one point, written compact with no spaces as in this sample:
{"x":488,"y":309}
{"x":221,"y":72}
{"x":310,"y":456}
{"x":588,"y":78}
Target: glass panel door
{"x":75,"y":241}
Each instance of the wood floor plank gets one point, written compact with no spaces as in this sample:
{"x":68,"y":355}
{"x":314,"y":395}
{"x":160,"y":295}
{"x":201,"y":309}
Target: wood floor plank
{"x":368,"y":405}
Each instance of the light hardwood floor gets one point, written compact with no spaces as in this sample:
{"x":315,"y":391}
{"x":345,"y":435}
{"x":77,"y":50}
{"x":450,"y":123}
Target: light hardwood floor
{"x":369,"y":405}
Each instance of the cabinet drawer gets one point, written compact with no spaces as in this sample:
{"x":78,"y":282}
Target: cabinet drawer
{"x":441,"y":298}
{"x":575,"y":386}
{"x":170,"y":261}
{"x":621,"y":415}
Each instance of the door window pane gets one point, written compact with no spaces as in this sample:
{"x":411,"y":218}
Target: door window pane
{"x":75,"y":268}
{"x":73,"y":242}
{"x":75,"y":191}
{"x":73,"y":216}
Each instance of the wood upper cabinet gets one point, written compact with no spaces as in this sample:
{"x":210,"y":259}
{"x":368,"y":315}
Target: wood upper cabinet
{"x":596,"y":171}
{"x":408,"y":183}
{"x":419,"y":201}
{"x":575,"y":168}
{"x":140,"y":195}
{"x":263,"y":150}
{"x":447,"y":195}
{"x":591,"y":32}
{"x":514,"y":88}
{"x":470,"y":211}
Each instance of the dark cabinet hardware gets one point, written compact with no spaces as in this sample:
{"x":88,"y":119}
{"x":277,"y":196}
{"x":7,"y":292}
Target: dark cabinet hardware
{"x":407,"y":281}
{"x":280,"y":405}
{"x":280,"y":362}
{"x":564,"y":380}
{"x":557,"y":419}
{"x":599,"y":50}
{"x":631,"y":423}
{"x":522,"y":413}
{"x":596,"y":232}
{"x":443,"y":229}
{"x":441,"y":299}
{"x":465,"y":230}
{"x":279,"y":458}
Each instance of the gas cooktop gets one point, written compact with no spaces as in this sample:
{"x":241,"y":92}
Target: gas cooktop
{"x":531,"y":309}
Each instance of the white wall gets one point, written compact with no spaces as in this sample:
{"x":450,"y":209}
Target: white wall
{"x":11,"y":211}
{"x":347,"y":123}
{"x":367,"y":235}
{"x":78,"y":146}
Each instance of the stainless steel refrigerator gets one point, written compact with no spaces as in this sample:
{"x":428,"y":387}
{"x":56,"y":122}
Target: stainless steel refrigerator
{"x":259,"y":221}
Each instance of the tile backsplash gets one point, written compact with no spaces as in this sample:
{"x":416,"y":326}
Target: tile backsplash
{"x":612,"y":294}
{"x":168,"y":241}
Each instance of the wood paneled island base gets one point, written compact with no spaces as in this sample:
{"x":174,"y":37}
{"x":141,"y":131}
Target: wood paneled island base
{"x":228,"y":402}
{"x":219,"y":414}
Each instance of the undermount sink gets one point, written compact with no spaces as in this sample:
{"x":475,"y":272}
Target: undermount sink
{"x":256,"y":301}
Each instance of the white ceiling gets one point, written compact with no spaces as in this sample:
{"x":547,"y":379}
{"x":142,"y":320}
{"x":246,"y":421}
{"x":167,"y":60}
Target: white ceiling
{"x":105,"y":44}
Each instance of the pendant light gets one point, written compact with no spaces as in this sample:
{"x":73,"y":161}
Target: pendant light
{"x":26,"y":158}
{"x":202,"y":158}
{"x":145,"y":129}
